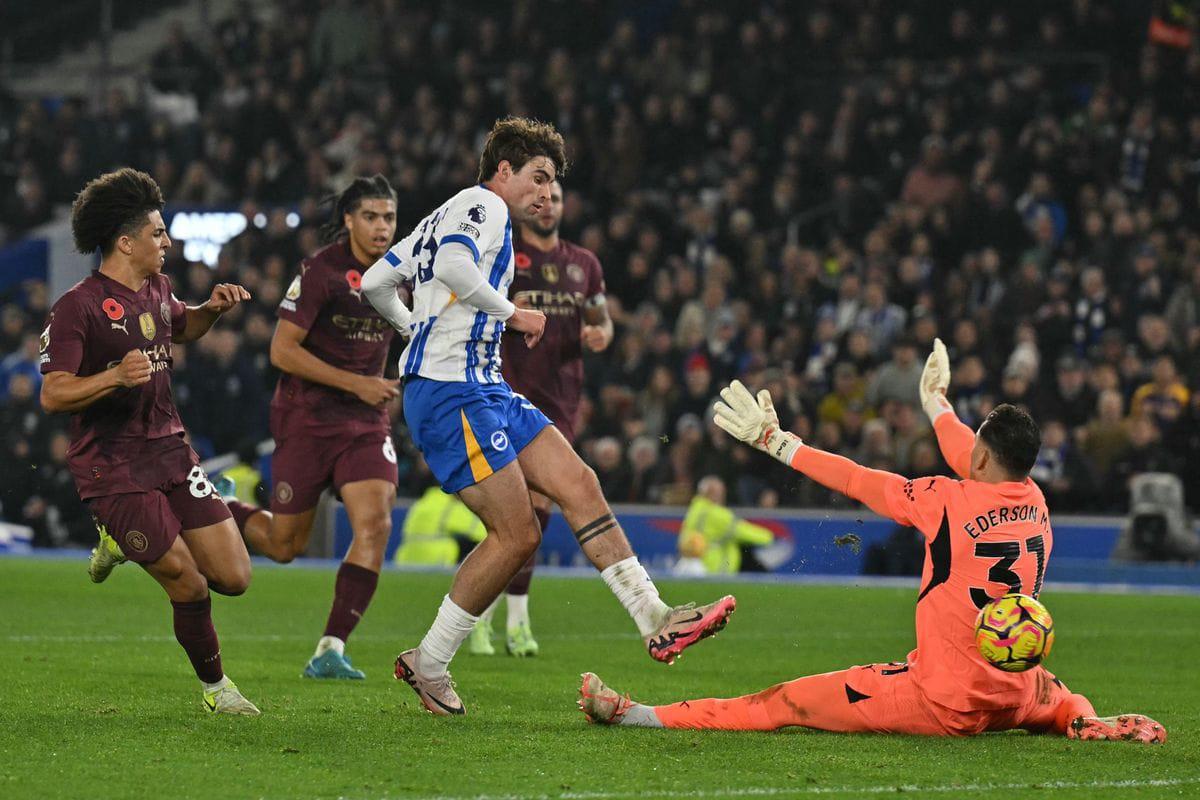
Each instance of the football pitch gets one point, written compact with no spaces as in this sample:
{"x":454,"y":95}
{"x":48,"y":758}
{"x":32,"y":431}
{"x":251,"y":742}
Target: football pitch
{"x":100,"y":702}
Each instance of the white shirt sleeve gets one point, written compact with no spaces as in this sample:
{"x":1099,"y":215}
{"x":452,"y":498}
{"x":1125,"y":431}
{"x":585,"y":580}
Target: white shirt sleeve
{"x":455,"y":267}
{"x":379,"y":284}
{"x":473,"y":224}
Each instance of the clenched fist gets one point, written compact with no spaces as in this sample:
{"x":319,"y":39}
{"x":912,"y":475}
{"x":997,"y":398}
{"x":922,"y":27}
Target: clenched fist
{"x":133,"y":369}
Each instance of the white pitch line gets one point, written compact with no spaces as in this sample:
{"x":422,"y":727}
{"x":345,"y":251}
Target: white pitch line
{"x":778,"y":791}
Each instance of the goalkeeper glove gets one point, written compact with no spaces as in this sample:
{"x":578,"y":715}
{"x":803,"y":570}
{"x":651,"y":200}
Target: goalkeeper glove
{"x":935,"y":379}
{"x":755,"y":422}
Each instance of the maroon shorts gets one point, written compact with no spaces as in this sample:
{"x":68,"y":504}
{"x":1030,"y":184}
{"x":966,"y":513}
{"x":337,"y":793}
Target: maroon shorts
{"x":303,"y":466}
{"x":146,"y":524}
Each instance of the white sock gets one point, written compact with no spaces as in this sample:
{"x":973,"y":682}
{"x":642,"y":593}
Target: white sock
{"x":327,"y":643}
{"x":221,"y":684}
{"x":641,"y":716}
{"x":518,"y":610}
{"x":633,"y":588}
{"x":445,"y":636}
{"x":486,"y":616}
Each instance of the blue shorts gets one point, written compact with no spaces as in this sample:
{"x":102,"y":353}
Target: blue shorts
{"x":467,"y":431}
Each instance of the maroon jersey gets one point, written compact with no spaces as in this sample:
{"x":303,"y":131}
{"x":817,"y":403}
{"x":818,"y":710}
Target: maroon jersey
{"x":344,"y":331}
{"x":558,"y":283}
{"x":117,"y":442}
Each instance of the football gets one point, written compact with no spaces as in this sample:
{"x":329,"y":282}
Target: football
{"x":1014,"y":632}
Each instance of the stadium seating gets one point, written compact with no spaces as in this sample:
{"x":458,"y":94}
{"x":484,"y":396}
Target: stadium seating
{"x":802,"y":195}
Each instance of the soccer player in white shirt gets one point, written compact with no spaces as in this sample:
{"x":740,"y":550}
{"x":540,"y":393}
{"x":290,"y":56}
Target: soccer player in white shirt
{"x":482,"y":440}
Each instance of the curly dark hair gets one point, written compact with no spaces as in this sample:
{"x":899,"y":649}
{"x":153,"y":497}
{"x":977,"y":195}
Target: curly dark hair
{"x":1014,"y":439}
{"x":517,"y":140}
{"x":375,"y":187}
{"x":114,"y":205}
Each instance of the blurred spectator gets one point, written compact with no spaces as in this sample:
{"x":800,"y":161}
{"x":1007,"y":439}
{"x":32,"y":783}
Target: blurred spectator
{"x":1164,"y":398}
{"x":897,"y":379}
{"x":797,"y":221}
{"x":1060,"y":471}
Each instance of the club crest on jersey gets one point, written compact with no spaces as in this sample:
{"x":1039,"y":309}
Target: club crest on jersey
{"x":44,"y":341}
{"x":522,"y":261}
{"x":575,"y":273}
{"x":477,"y":214}
{"x":112,"y":309}
{"x":550,"y":273}
{"x":146,"y":323}
{"x":293,"y":292}
{"x":354,"y":281}
{"x":499,"y":441}
{"x":137,"y":541}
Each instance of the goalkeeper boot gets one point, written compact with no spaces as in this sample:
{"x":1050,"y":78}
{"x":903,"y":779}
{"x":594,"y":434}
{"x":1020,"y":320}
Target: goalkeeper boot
{"x":332,"y":664}
{"x":228,"y":700}
{"x":479,"y":643}
{"x":686,"y":625}
{"x":520,"y":641}
{"x":1124,"y":727}
{"x":436,"y":694}
{"x":600,"y":703}
{"x":106,"y":556}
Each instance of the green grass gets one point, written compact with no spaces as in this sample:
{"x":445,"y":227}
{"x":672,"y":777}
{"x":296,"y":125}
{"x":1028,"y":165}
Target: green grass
{"x":99,"y":701}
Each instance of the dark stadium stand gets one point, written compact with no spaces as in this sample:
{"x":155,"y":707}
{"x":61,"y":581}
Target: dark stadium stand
{"x":798,"y":194}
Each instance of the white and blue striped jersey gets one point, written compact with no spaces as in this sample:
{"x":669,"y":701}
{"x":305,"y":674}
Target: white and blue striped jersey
{"x":449,"y":340}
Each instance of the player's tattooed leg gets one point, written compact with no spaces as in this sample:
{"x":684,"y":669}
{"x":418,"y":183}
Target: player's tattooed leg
{"x":597,"y":527}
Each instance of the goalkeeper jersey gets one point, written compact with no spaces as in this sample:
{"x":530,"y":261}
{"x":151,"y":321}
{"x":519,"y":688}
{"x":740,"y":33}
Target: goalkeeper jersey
{"x":983,"y":540}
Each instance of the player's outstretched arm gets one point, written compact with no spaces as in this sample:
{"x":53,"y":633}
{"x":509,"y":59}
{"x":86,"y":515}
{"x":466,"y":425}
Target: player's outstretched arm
{"x":380,"y":283}
{"x":756,"y":423}
{"x":200,"y":318}
{"x":65,"y":393}
{"x":955,"y":439}
{"x":289,"y":355}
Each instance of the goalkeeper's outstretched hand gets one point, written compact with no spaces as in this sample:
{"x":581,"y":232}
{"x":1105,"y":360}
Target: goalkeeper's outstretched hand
{"x":754,"y":422}
{"x":935,"y":380}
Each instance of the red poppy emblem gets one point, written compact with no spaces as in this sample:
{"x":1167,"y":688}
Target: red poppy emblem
{"x":522,"y":261}
{"x":112,"y":309}
{"x":354,"y":278}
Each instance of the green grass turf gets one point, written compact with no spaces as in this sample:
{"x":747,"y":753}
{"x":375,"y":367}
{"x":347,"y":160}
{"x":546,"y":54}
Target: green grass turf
{"x":99,"y":701}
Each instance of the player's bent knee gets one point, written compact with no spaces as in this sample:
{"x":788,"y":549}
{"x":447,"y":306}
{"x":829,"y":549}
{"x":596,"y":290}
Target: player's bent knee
{"x":522,"y":536}
{"x":232,"y":579}
{"x":285,"y":555}
{"x":374,"y":531}
{"x":184,"y":584}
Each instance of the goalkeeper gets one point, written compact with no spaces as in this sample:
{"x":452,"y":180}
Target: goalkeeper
{"x":986,"y":534}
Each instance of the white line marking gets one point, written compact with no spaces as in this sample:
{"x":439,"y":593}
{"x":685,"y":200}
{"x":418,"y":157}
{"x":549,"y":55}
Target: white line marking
{"x":775,"y":791}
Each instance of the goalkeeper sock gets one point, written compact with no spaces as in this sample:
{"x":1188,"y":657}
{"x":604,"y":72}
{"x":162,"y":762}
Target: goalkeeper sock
{"x":631,"y":584}
{"x":641,"y":716}
{"x":449,"y":630}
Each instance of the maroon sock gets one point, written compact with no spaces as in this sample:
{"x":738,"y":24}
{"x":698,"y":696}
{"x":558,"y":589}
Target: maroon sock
{"x":195,"y":633}
{"x":520,"y":582}
{"x":351,"y":595}
{"x":241,"y":513}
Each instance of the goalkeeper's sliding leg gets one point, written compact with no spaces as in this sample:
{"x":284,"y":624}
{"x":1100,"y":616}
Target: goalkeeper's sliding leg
{"x":876,"y":698}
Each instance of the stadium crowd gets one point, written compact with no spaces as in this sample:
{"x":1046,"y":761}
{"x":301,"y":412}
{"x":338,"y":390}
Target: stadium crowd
{"x":800,"y":195}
